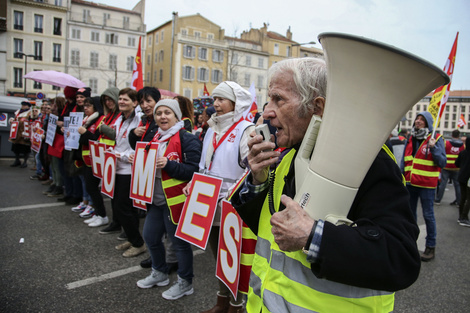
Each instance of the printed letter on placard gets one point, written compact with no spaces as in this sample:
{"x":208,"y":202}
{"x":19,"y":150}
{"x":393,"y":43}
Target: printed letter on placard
{"x":228,"y":256}
{"x":26,"y":131}
{"x":37,"y":140}
{"x":109,"y":174}
{"x":13,"y":130}
{"x":139,"y":204}
{"x":97,"y":151}
{"x":199,"y":210}
{"x":143,"y":172}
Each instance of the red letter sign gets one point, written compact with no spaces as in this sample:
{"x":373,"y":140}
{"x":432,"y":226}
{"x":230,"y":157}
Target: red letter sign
{"x":143,"y":172}
{"x":26,"y":131}
{"x":228,"y":256}
{"x":37,"y":140}
{"x":13,"y":130}
{"x":199,"y":210}
{"x":97,"y":151}
{"x":109,"y":174}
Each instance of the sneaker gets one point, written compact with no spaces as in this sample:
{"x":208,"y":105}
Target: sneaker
{"x":88,"y":212}
{"x":111,"y":229}
{"x":79,"y":208}
{"x":428,"y":254}
{"x":49,"y":190}
{"x":465,"y":223}
{"x":134,"y":251}
{"x":122,"y":236}
{"x":47,"y":182}
{"x":437,"y":202}
{"x":90,"y":220}
{"x":156,"y":278}
{"x":123,"y":246}
{"x":44,"y":177}
{"x":58,"y":191}
{"x":454,"y":202}
{"x":99,"y":221}
{"x":36,"y":176}
{"x":179,"y":289}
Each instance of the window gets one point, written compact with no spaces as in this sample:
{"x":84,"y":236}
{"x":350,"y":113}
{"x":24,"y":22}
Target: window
{"x":154,"y":75}
{"x":203,"y":74}
{"x":260,"y":81}
{"x":156,"y":38}
{"x":110,"y":83}
{"x":18,"y":48}
{"x":112,"y":62}
{"x":187,"y":93}
{"x":202,"y":53}
{"x":217,"y":56}
{"x":288,"y":52}
{"x":55,"y":88}
{"x":112,"y":39}
{"x":149,"y":41}
{"x":95,"y":36}
{"x":106,"y":17}
{"x":38,"y":50}
{"x":93,"y":83}
{"x":125,"y":22}
{"x":76,"y":33}
{"x":131,"y":41}
{"x":148,"y":59}
{"x":235,"y":58}
{"x":210,"y":36}
{"x":57,"y":26}
{"x":86,"y":17}
{"x":184,"y":32}
{"x":156,"y":57}
{"x":37,"y":85}
{"x":75,"y":57}
{"x":248,"y":60}
{"x":163,"y":32}
{"x":161,"y":75}
{"x":197,"y":34}
{"x":56,"y":50}
{"x":216,"y":76}
{"x":93,"y":61}
{"x":188,"y":72}
{"x":247,"y":79}
{"x":38,"y":22}
{"x":234,"y":76}
{"x":189,"y":52}
{"x":161,"y":55}
{"x":58,"y":3}
{"x":130,"y":64}
{"x":147,"y":77}
{"x":18,"y":80}
{"x":260,"y":62}
{"x":18,"y":22}
{"x":276,"y":49}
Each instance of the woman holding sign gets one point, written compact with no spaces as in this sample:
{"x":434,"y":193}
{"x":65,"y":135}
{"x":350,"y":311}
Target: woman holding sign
{"x":178,"y":156}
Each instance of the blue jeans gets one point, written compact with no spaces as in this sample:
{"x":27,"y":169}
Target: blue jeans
{"x":445,"y":174}
{"x":86,"y":196}
{"x":38,"y":164}
{"x":427,"y":202}
{"x":157,"y":222}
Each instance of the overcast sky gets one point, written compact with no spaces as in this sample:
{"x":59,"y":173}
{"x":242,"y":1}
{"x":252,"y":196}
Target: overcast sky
{"x":426,"y":28}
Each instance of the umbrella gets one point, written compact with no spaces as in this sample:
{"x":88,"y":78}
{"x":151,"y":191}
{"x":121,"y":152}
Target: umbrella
{"x":55,"y":78}
{"x":166,"y":94}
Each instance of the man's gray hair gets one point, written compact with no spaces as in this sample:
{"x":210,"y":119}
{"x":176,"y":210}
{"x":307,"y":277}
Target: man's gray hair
{"x":309,"y":79}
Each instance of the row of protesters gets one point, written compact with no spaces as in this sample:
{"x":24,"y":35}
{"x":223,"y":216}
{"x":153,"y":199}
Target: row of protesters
{"x":206,"y":115}
{"x":21,"y":146}
{"x":463,"y":162}
{"x":225,"y":146}
{"x":302,"y":264}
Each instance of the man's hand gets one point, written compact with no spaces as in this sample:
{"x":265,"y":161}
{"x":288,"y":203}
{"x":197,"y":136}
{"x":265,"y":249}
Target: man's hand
{"x":187,"y":188}
{"x":432,"y":142}
{"x":291,"y":227}
{"x":261,"y":157}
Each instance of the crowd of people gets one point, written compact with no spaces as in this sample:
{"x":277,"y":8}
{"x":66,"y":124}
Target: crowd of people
{"x":299,"y":264}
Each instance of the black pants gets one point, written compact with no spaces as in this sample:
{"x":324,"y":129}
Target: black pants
{"x":92,"y":187}
{"x":124,"y":212}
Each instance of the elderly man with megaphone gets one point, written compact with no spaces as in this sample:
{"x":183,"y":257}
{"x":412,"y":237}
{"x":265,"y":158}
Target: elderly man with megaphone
{"x":302,"y":263}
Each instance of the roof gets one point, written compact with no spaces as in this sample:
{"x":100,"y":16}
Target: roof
{"x":183,"y":17}
{"x":104,"y":6}
{"x":274,"y":35}
{"x":242,"y":40}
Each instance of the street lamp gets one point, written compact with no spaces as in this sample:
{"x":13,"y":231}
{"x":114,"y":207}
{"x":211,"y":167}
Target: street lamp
{"x":26,"y":56}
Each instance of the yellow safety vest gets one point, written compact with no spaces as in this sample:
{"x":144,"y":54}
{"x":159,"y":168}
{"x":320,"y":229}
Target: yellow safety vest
{"x":283,"y":281}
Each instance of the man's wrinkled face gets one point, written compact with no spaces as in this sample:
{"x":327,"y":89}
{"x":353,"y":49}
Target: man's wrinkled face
{"x":282,"y":111}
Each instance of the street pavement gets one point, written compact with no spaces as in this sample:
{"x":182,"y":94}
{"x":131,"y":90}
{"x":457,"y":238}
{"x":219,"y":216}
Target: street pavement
{"x":65,"y":266}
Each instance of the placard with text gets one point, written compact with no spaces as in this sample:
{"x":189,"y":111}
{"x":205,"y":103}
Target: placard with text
{"x":143,"y":171}
{"x":97,"y":152}
{"x":14,"y":130}
{"x":109,"y":174}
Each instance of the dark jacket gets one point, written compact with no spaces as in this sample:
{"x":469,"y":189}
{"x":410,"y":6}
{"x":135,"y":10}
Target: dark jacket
{"x":191,"y":149}
{"x":463,"y":162}
{"x":380,"y":252}
{"x":148,"y":135}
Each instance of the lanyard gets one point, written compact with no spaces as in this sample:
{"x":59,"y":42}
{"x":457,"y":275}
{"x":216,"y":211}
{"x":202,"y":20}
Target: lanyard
{"x":146,"y":128}
{"x":216,"y":144}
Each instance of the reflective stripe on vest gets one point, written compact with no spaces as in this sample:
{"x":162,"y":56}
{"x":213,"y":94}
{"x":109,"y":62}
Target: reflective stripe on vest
{"x":172,"y":187}
{"x":452,"y":153}
{"x":283,"y":281}
{"x":420,"y":170}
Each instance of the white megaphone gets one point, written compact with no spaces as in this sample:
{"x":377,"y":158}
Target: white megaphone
{"x":370,"y":87}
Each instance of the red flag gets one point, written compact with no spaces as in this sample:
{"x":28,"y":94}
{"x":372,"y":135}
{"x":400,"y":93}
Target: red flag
{"x":440,"y":95}
{"x":206,"y":93}
{"x":461,"y":122}
{"x":137,"y":77}
{"x":250,"y":113}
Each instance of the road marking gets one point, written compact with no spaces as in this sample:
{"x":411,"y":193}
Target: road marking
{"x":93,"y":280}
{"x":31,"y":206}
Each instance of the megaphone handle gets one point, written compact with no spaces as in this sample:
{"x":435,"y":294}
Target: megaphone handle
{"x":272,"y":176}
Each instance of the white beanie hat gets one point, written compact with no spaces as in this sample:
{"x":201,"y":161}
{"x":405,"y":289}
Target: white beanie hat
{"x":172,"y":104}
{"x":223,"y":90}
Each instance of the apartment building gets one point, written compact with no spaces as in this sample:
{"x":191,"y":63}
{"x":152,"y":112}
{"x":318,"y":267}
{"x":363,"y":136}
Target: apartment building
{"x":36,"y":40}
{"x":102,"y":43}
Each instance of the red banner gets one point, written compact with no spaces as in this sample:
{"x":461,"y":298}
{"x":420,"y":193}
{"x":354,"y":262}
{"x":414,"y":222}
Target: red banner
{"x":228,"y":256}
{"x":36,"y":140}
{"x":97,"y":152}
{"x":137,"y":75}
{"x":14,"y":130}
{"x":109,"y":174}
{"x":143,"y":171}
{"x":199,"y":209}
